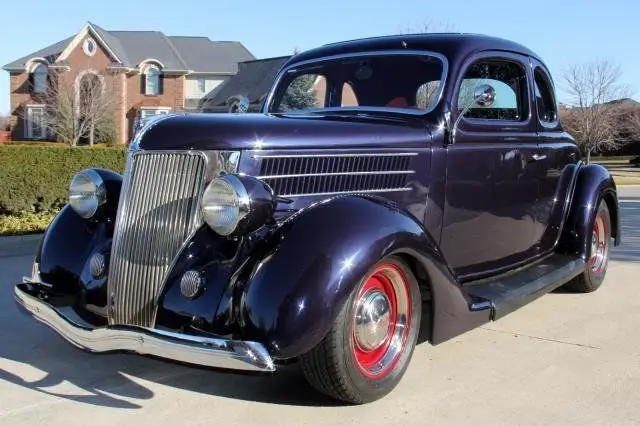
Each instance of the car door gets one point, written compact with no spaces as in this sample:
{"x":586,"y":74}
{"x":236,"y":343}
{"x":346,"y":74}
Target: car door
{"x":491,"y":175}
{"x":558,"y":160}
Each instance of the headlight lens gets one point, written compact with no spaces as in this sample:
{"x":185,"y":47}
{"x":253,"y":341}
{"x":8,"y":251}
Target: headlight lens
{"x":224,"y":204}
{"x":87,"y":193}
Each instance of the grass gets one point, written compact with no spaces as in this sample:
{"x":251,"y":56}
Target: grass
{"x":25,"y":223}
{"x":620,"y":159}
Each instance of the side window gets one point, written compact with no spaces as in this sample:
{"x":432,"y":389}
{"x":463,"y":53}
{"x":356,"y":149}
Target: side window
{"x":348,"y":97}
{"x":545,"y":100}
{"x":509,"y":81}
{"x":304,"y":92}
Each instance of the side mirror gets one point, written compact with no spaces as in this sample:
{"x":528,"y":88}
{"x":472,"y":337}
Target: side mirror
{"x":484,"y":95}
{"x":238,"y":104}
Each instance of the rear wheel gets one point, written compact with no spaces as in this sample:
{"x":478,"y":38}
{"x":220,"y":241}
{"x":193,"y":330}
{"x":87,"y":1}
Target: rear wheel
{"x":368,"y":348}
{"x":593,"y":275}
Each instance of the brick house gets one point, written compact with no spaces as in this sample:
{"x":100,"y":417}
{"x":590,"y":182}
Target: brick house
{"x":146,"y":72}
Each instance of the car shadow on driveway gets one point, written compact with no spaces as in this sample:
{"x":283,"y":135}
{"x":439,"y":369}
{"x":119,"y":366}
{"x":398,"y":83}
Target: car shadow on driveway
{"x":120,"y":380}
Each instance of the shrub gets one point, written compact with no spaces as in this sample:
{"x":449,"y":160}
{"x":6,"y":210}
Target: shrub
{"x":25,"y":223}
{"x":36,"y":178}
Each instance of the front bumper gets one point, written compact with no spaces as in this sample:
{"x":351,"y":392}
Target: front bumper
{"x":197,"y":350}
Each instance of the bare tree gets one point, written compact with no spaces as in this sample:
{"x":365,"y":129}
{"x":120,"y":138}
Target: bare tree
{"x":428,"y":26}
{"x":79,"y":109}
{"x":632,"y":124}
{"x":593,"y":117}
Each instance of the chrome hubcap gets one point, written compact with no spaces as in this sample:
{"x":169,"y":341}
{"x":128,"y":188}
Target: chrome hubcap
{"x":373,"y":318}
{"x":382,"y":314}
{"x":599,"y":249}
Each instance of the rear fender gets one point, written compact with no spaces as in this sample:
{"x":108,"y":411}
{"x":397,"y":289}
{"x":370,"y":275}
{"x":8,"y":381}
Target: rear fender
{"x":317,"y":257}
{"x":594,"y":183}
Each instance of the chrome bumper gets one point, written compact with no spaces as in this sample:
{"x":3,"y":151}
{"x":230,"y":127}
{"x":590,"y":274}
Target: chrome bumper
{"x":204,"y":351}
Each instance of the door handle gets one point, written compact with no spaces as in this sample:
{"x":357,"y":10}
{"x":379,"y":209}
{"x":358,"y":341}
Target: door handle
{"x":537,"y":157}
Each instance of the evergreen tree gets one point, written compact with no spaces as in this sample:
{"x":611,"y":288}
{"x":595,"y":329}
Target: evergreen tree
{"x":300,"y":94}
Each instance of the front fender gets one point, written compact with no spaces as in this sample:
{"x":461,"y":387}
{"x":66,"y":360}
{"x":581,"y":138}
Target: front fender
{"x":68,"y":244}
{"x":317,"y":257}
{"x":594,"y":183}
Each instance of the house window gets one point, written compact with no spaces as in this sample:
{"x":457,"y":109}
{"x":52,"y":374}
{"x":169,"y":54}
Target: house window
{"x":39,"y":76}
{"x":89,"y":47}
{"x":201,"y":85}
{"x":152,"y":81}
{"x":36,"y":122}
{"x":150,"y":112}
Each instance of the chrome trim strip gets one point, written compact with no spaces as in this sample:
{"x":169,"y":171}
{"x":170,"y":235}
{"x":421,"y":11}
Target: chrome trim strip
{"x":443,"y":78}
{"x":197,"y":350}
{"x":364,"y":191}
{"x":364,"y":154}
{"x":382,"y":172}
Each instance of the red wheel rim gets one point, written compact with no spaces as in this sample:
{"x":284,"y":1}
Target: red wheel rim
{"x":381,"y":323}
{"x":599,"y":245}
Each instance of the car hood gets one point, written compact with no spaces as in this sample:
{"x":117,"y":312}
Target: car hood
{"x":266,"y":131}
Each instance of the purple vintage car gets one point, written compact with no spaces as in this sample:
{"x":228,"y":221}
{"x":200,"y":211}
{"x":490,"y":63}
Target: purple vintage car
{"x":390,"y":184}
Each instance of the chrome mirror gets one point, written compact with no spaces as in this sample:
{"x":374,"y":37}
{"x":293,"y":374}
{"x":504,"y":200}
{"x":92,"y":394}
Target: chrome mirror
{"x":484,"y":95}
{"x":238,"y":104}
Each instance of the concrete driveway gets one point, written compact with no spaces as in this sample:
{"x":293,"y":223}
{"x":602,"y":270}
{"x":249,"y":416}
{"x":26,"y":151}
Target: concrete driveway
{"x":565,"y":359}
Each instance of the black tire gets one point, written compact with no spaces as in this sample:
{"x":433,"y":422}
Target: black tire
{"x":332,"y":367}
{"x":591,"y":279}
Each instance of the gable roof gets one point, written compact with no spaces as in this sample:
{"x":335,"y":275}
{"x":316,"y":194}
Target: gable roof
{"x":130,"y":48}
{"x":50,"y":53}
{"x":253,"y":80}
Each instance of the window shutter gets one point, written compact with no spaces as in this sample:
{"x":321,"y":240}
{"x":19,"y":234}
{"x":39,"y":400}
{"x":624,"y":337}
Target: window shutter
{"x":160,"y":84}
{"x":143,"y":84}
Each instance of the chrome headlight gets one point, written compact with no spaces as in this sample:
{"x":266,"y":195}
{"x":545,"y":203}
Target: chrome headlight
{"x":224,"y":204}
{"x":87,"y":192}
{"x":234,"y":201}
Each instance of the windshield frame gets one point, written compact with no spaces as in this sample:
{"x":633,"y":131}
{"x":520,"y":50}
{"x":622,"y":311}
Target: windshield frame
{"x":268,"y":105}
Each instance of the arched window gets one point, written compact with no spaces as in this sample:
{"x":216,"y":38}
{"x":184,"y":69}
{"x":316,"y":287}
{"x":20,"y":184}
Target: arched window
{"x":39,"y":78}
{"x":152,"y":81}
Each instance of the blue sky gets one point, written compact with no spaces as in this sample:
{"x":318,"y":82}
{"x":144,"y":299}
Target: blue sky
{"x":561,"y":31}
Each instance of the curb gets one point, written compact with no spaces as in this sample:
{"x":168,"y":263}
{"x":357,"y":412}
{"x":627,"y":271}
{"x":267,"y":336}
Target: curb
{"x":19,"y":245}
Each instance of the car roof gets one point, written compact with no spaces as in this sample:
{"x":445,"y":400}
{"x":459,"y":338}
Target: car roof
{"x":455,"y":46}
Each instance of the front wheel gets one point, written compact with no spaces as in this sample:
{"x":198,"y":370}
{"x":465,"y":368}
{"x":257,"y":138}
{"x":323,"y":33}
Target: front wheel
{"x":367,"y":350}
{"x":596,"y":269}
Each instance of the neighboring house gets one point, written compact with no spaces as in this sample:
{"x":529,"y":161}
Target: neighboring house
{"x":253,"y":81}
{"x":148,"y":73}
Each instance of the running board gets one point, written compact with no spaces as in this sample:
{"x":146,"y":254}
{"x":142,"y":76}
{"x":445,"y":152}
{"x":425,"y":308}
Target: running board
{"x":508,"y":292}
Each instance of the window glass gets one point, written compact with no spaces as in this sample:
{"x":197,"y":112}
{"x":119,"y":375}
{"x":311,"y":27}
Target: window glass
{"x":427,"y":93}
{"x":40,"y":79}
{"x":152,"y":86}
{"x":545,"y":101}
{"x":201,"y":85}
{"x":377,"y":82}
{"x":509,"y":81}
{"x":305,"y":91}
{"x":348,"y":97}
{"x":150,"y":112}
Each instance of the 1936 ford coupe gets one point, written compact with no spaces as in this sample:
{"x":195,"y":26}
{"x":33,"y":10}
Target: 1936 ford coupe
{"x":387,"y":180}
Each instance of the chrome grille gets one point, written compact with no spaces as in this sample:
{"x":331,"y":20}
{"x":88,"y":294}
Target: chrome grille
{"x":325,"y":174}
{"x":158,"y":210}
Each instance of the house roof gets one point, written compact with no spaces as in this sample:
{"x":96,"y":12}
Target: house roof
{"x":253,"y":80}
{"x":130,"y":48}
{"x":200,"y":53}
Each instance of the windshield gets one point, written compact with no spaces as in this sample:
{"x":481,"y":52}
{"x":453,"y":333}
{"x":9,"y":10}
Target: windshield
{"x":409,"y":83}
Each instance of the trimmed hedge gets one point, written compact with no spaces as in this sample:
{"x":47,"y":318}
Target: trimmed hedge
{"x":36,"y":178}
